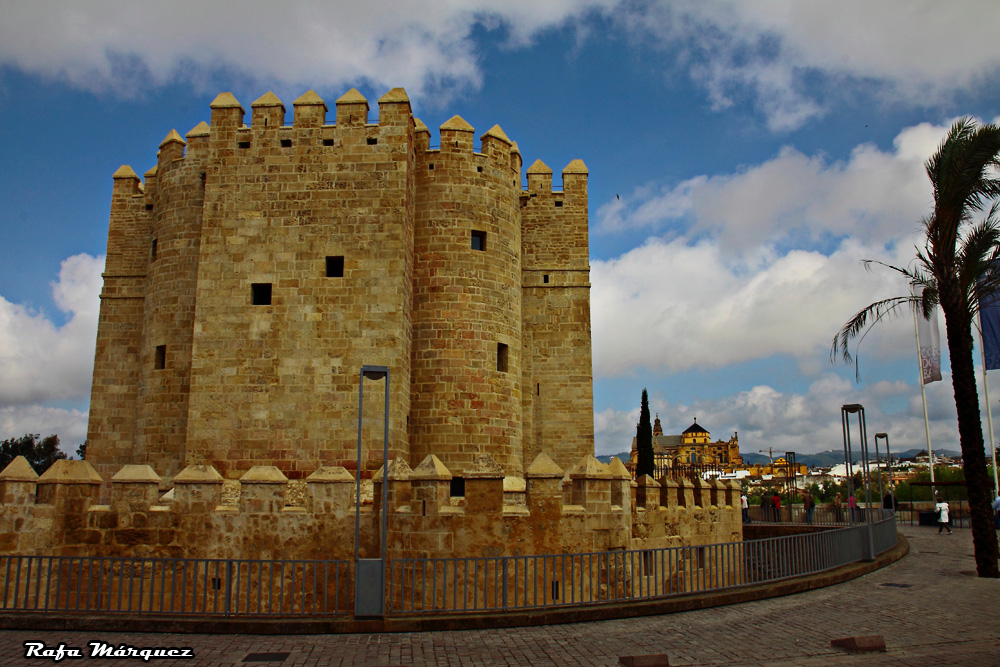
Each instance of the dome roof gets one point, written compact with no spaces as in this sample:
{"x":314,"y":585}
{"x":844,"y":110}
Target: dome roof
{"x":694,"y":428}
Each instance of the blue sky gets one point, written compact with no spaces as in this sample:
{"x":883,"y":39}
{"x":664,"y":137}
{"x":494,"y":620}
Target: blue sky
{"x":744,"y":157}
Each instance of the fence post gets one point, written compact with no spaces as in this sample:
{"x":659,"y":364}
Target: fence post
{"x":505,"y":583}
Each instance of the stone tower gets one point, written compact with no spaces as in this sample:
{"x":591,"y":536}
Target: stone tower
{"x":259,"y":267}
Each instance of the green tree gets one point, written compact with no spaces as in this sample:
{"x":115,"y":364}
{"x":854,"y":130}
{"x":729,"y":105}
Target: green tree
{"x":40,"y":453}
{"x":958,"y":269}
{"x":645,"y":465}
{"x":81,"y":451}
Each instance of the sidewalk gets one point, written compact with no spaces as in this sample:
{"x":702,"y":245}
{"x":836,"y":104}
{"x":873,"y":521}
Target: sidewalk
{"x":930,"y":608}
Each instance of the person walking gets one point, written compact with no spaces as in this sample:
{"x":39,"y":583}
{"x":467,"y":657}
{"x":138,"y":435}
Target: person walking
{"x":776,"y":507}
{"x":745,"y":508}
{"x":809,"y":504}
{"x":765,"y":507}
{"x":838,"y":508}
{"x":941,"y":507}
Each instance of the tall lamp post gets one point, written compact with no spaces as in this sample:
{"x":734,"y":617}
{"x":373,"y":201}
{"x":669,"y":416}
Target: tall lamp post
{"x":369,"y":573}
{"x":888,"y":457}
{"x":845,"y":419}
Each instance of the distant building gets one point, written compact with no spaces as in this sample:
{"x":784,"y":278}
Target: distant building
{"x":693,"y":447}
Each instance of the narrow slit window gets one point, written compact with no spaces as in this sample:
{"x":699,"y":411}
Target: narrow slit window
{"x":160,"y":357}
{"x":545,"y":278}
{"x":478,"y":240}
{"x":502,"y":357}
{"x":152,"y":251}
{"x":335,"y":266}
{"x":260,"y":294}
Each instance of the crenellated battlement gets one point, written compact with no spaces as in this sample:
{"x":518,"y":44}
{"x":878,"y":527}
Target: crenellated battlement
{"x":557,"y":511}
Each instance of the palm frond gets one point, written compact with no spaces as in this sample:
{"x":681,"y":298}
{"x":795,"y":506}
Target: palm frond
{"x":864,"y":320}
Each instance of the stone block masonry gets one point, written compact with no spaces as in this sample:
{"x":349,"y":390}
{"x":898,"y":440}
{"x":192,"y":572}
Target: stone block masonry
{"x":258,"y":267}
{"x":590,"y":507}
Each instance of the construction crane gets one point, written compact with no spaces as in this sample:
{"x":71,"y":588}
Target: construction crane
{"x":770,"y":453}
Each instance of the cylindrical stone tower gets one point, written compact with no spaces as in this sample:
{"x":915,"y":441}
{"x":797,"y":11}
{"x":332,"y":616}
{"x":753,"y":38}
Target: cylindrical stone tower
{"x":466,"y":381}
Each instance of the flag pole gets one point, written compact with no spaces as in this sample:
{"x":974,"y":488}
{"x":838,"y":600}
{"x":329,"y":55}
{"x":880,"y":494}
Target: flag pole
{"x":989,"y":411}
{"x":923,"y":395}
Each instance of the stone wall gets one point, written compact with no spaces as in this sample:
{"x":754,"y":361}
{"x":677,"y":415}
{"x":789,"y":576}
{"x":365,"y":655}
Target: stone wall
{"x":591,"y":507}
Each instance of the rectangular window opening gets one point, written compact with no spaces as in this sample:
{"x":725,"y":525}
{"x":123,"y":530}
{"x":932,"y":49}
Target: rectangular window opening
{"x":260,"y":294}
{"x":152,"y":251}
{"x":431,"y":166}
{"x":286,"y":143}
{"x":479,"y":169}
{"x":478,"y":240}
{"x":149,"y":207}
{"x":502,"y":357}
{"x":558,"y":204}
{"x":545,"y":278}
{"x":457,"y":487}
{"x":372,"y":141}
{"x":243,"y":144}
{"x":328,"y":142}
{"x":335,"y":266}
{"x":160,"y":358}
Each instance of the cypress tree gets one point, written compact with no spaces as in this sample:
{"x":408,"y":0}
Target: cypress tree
{"x":644,"y":440}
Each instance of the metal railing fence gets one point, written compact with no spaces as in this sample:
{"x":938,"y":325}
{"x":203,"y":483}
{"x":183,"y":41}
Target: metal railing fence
{"x":822,"y":516}
{"x":449,"y":585}
{"x":246,"y":587}
{"x":226,"y":587}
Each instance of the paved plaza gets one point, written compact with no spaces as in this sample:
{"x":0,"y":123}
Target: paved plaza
{"x":929,"y":607}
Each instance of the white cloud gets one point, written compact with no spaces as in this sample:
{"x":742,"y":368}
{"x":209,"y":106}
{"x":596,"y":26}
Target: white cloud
{"x":805,"y":423}
{"x":69,"y":425}
{"x":42,"y":362}
{"x":791,"y":58}
{"x":722,"y":287}
{"x":875,"y":196}
{"x":671,"y":306}
{"x":126,"y":47}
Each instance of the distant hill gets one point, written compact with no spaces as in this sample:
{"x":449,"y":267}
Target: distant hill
{"x":606,"y":458}
{"x":832,"y":458}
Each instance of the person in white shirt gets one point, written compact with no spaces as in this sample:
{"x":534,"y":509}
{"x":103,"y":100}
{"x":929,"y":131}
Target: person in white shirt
{"x":941,"y":507}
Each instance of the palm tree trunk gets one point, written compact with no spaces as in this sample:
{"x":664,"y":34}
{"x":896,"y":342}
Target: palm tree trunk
{"x":970,"y":433}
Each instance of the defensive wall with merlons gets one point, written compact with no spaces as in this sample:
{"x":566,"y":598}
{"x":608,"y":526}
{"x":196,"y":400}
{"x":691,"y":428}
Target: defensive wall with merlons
{"x":592,"y":507}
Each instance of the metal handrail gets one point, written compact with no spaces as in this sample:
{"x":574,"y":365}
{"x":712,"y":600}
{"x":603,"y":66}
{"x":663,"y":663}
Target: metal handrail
{"x":494,"y":584}
{"x":313,"y":588}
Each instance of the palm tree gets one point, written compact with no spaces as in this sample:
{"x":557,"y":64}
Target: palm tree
{"x":958,"y":269}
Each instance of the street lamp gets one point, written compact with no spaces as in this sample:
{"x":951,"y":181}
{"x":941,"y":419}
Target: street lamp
{"x":845,"y":418}
{"x":888,"y":456}
{"x":369,"y":573}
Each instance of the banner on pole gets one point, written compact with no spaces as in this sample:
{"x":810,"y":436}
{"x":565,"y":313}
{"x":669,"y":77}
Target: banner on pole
{"x":930,"y":342}
{"x":989,"y":322}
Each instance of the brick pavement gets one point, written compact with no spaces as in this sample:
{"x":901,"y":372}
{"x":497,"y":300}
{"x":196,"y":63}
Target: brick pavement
{"x":929,"y":607}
